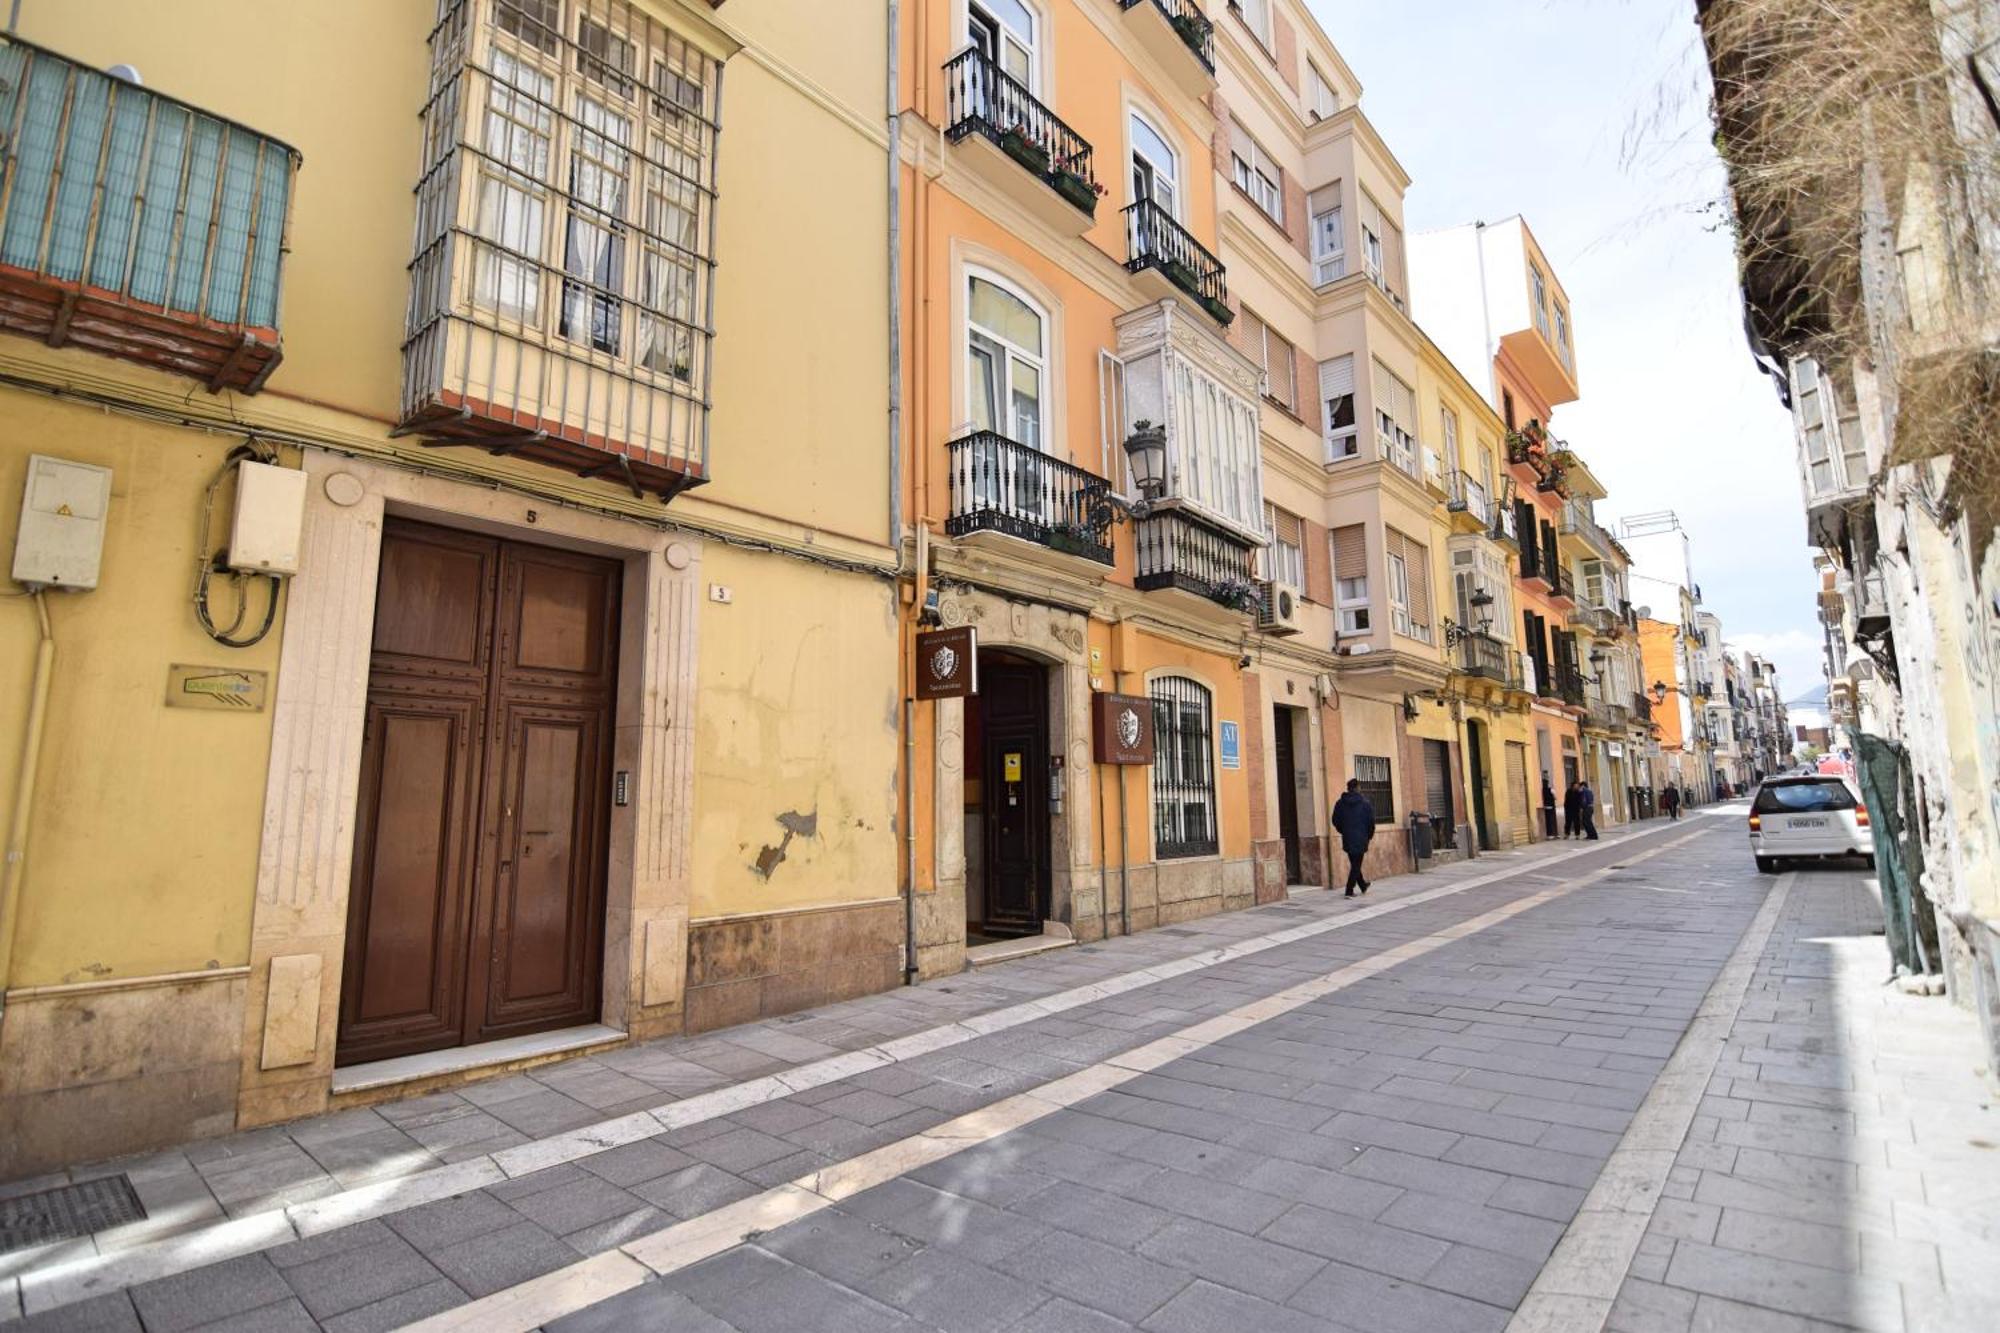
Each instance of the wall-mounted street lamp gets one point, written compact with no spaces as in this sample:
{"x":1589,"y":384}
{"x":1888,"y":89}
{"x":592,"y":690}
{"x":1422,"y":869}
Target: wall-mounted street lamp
{"x":1146,"y":454}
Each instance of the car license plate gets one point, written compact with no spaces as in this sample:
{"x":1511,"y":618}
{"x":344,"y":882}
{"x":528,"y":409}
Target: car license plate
{"x":1814,"y":822}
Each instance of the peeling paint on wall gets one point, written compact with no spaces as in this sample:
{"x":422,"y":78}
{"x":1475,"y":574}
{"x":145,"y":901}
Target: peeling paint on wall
{"x":795,"y":825}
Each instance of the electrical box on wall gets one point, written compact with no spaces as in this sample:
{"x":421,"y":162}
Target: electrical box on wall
{"x":270,"y":512}
{"x":63,"y":511}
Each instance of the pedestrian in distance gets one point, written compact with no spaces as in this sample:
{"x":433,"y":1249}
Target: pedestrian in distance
{"x":1572,"y":812}
{"x":1670,"y":801}
{"x":1586,"y":809}
{"x":1548,"y":808}
{"x":1354,"y":821}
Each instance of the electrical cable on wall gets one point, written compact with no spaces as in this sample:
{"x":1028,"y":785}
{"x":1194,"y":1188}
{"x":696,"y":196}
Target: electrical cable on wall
{"x":210,"y":561}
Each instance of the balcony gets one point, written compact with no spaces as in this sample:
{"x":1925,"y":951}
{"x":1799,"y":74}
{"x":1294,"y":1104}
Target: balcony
{"x":1569,"y":687}
{"x":999,"y":485}
{"x":1030,"y":154}
{"x":1561,"y":587}
{"x":1604,"y":716}
{"x":1155,"y":243}
{"x":1486,"y":657}
{"x":1505,"y":528}
{"x":1180,"y":37}
{"x":1179,"y":549}
{"x":1642,"y":709}
{"x":1470,"y":508}
{"x":137,"y":226}
{"x":562,"y":302}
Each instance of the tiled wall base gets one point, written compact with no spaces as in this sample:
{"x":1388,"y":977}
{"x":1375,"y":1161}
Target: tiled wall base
{"x":101,"y":1073}
{"x":741,"y":969}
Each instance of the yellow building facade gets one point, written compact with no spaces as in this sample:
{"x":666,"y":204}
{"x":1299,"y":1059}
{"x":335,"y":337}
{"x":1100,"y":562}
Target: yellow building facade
{"x":521,"y":758}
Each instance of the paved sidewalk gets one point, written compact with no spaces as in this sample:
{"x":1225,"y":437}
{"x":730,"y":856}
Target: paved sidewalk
{"x":252,"y":1190}
{"x":1843,"y":1170}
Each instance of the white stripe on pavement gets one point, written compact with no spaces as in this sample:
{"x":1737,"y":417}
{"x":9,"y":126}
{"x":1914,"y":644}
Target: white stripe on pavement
{"x":93,"y":1275}
{"x":566,"y":1290}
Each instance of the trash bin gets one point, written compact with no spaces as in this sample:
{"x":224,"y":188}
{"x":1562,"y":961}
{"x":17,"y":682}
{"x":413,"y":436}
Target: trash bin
{"x":1423,"y":838}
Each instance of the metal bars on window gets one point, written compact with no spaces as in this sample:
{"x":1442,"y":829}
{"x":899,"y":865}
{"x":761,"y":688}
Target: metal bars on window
{"x":562,"y":282}
{"x":1183,"y":769}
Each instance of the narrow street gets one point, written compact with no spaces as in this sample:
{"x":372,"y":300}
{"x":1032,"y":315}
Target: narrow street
{"x":1631,"y":1085}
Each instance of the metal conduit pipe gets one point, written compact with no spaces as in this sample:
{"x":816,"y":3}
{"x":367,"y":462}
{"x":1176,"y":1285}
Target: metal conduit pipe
{"x":24,"y":792}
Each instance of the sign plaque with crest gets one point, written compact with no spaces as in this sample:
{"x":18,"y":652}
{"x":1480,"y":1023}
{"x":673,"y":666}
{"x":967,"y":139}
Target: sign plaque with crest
{"x":948,"y":663}
{"x":1122,"y":728}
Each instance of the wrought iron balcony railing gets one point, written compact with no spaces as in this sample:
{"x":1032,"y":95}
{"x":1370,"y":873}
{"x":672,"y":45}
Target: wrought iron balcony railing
{"x":1154,"y":240}
{"x":1178,"y":549}
{"x":1000,"y":485}
{"x":136,"y":225}
{"x":1642,"y":708}
{"x":981,"y":98}
{"x":1483,"y":655}
{"x":1192,"y":26}
{"x":1558,"y":579}
{"x":1569,"y":687}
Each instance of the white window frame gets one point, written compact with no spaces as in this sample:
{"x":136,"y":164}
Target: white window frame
{"x":1172,"y":203}
{"x":1257,"y":176}
{"x":1539,"y":290}
{"x":1256,"y":17}
{"x":1399,"y":596}
{"x":1029,"y":43}
{"x":1342,"y":442}
{"x":1329,"y":239}
{"x":1038,"y":357}
{"x":1284,"y":562}
{"x":1350,"y":599}
{"x":1321,"y":99}
{"x":1394,"y":436}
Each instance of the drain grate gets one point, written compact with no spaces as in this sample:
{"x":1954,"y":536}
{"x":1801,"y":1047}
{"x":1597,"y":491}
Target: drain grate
{"x":73,"y":1210}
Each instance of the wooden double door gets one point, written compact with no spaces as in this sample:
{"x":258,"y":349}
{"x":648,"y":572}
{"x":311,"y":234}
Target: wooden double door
{"x":476,"y":908}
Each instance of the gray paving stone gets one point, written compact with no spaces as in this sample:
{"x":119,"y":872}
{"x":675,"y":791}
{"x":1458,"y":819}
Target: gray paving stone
{"x":1483,"y":1275}
{"x":1094,"y":1274}
{"x":109,"y":1313}
{"x":1406,"y":1171}
{"x":1336,"y":1191}
{"x":983,"y":1175}
{"x":205,"y":1295}
{"x":287,"y":1316}
{"x":1215,"y":1201}
{"x":359,"y":1275}
{"x":635,"y":1163}
{"x":1779,"y":1284}
{"x":841,"y":1246}
{"x":946,"y":1291}
{"x":694,"y":1190}
{"x":611,"y":1232}
{"x":1445,"y":1218}
{"x":1365,"y":1300}
{"x":973,"y":1230}
{"x":1786,"y":1238}
{"x":486,"y":1264}
{"x":576,"y":1205}
{"x":1121,"y":1221}
{"x":330,"y":1243}
{"x":1648,"y":1307}
{"x":1205,"y":1307}
{"x":741,"y":1149}
{"x":403,"y":1308}
{"x":791,"y":1299}
{"x":1359,"y":1242}
{"x":1538,"y":1198}
{"x":651,"y":1305}
{"x":432,"y":1226}
{"x":1513,"y":1159}
{"x":1061,"y":1316}
{"x":1261,"y":1267}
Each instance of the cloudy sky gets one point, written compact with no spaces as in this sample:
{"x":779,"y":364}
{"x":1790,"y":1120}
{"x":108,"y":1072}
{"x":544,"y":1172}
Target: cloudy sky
{"x":1590,"y":118}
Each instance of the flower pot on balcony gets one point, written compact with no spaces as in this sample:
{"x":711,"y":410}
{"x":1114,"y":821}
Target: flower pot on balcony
{"x":1076,"y":189}
{"x":1193,"y":30}
{"x":1071,"y":541}
{"x":1218,"y":310}
{"x":1182,"y":275}
{"x":1025,"y":151}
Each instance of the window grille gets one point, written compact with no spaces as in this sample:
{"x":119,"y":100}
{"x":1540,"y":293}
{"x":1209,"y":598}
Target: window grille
{"x":1183,"y":769}
{"x":562,"y":285}
{"x":1378,"y":785}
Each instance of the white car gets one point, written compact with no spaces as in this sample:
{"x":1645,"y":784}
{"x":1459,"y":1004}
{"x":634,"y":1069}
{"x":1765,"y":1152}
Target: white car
{"x":1819,"y":816}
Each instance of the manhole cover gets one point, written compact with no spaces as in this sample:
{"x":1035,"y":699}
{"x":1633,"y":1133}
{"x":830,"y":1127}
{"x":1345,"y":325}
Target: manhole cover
{"x":73,"y":1210}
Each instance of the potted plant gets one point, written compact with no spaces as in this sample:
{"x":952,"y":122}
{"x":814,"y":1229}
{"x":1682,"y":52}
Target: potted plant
{"x":1218,"y":309}
{"x":1193,"y":29}
{"x":1019,"y":143}
{"x":1236,"y":594}
{"x":1077,"y":187}
{"x":1183,"y":275}
{"x":1075,"y":538}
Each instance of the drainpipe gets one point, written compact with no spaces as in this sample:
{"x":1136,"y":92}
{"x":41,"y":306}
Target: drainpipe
{"x":24,"y":791}
{"x":910,"y":833}
{"x":895,"y":283}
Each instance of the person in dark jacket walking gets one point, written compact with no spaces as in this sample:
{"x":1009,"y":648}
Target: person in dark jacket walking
{"x":1670,"y":801}
{"x":1354,"y":821}
{"x":1572,"y":812}
{"x":1548,"y":808}
{"x":1586,"y":809}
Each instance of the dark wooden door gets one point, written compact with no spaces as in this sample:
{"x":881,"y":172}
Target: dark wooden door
{"x":1287,"y":790}
{"x":1475,"y":750}
{"x":1014,"y":707}
{"x":476,"y":909}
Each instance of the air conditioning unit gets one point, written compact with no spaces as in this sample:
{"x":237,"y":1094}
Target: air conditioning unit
{"x":1278,"y":610}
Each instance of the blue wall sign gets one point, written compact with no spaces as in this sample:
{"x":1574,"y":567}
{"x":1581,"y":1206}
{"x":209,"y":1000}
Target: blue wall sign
{"x":1232,"y":746}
